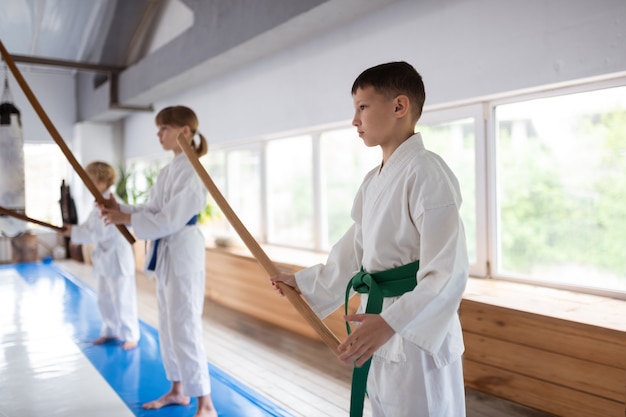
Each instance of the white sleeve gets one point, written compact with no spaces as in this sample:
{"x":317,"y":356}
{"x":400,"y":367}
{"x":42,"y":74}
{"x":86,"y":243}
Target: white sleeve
{"x":87,"y":232}
{"x":187,"y":197}
{"x":425,"y":315}
{"x":323,"y":286}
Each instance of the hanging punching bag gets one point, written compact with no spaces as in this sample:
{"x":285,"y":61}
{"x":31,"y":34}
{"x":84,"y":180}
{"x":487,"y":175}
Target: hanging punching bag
{"x":12,"y":187}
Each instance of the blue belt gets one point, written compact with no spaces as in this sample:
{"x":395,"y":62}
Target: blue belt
{"x":152,"y":264}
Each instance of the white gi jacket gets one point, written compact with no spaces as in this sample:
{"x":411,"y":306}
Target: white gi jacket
{"x":175,"y":198}
{"x":112,"y":254}
{"x":405,"y":212}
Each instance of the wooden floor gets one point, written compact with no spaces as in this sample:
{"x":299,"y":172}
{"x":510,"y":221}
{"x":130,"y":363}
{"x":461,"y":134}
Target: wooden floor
{"x":299,"y":374}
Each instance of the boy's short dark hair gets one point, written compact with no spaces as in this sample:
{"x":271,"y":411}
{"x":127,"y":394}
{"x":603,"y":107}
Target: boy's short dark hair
{"x":393,"y":79}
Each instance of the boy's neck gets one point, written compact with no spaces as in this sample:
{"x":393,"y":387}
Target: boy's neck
{"x":390,"y":147}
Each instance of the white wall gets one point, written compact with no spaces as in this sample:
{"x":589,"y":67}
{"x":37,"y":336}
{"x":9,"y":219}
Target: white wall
{"x":140,"y":137}
{"x":464,"y":49}
{"x":56,"y":93}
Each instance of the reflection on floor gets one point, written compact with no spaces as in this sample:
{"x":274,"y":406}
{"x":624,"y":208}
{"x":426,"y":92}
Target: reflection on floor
{"x":49,"y":367}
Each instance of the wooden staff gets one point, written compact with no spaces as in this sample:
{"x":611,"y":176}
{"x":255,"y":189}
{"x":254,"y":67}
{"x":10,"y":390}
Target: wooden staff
{"x":20,"y":216}
{"x":292,"y":295}
{"x":57,"y":137}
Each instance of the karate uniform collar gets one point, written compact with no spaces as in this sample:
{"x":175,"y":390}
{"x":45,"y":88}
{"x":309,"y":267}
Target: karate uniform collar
{"x":396,"y":162}
{"x":402,"y":154}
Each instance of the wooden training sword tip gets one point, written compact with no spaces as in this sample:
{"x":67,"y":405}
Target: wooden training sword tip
{"x":15,"y":214}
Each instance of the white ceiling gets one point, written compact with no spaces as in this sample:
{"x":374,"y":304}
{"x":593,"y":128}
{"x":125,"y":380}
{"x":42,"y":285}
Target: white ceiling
{"x":94,"y":31}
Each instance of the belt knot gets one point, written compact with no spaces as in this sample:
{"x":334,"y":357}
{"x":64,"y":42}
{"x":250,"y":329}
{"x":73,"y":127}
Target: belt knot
{"x":390,"y":283}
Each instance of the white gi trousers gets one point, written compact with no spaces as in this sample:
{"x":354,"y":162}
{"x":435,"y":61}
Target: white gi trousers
{"x":117,"y":302}
{"x":180,"y":301}
{"x":419,"y":388}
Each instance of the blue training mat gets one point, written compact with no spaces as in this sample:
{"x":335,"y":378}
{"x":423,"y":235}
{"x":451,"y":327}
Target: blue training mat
{"x":137,"y":375}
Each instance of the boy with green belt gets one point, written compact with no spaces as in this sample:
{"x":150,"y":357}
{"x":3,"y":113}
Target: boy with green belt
{"x":405,"y":253}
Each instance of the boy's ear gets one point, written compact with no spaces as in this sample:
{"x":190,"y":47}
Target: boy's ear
{"x":401,"y":105}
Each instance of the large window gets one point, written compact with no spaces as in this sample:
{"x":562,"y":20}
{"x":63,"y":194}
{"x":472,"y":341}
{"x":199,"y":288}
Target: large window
{"x":344,"y":161}
{"x":543,"y":179}
{"x":457,"y":136}
{"x":310,"y":182}
{"x":243,"y":185}
{"x":290,"y":187}
{"x":561,"y":189}
{"x":454,"y":141}
{"x":215,"y":164}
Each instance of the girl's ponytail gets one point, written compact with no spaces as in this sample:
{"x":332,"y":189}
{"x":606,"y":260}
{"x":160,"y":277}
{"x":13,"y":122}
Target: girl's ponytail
{"x":202,"y":147}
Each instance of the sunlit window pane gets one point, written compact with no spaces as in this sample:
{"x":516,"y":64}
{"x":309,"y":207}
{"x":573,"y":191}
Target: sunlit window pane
{"x":290,"y":191}
{"x":244,"y":187}
{"x":455,"y":142}
{"x":141,"y":177}
{"x":45,"y":167}
{"x":561,"y":174}
{"x":344,"y":161}
{"x":218,"y":226}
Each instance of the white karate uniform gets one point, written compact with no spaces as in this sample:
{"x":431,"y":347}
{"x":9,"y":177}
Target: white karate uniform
{"x":114,"y":269}
{"x":406,"y":211}
{"x":175,"y":198}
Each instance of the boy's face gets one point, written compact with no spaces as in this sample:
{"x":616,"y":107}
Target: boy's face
{"x":374,"y":116}
{"x":102,"y":186}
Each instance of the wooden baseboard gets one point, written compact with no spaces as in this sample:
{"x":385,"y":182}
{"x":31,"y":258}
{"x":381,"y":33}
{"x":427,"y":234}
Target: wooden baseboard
{"x":240,"y":283}
{"x":540,"y":394}
{"x":558,"y":366}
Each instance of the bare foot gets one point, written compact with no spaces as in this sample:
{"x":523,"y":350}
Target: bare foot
{"x":168,"y":399}
{"x":102,"y":340}
{"x":129,"y":344}
{"x":205,"y":413}
{"x":205,"y":407}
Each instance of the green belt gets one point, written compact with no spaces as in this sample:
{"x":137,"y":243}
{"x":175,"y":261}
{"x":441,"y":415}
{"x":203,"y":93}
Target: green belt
{"x":390,"y":283}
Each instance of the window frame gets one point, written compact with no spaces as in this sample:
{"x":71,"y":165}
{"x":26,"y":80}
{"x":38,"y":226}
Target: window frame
{"x":582,"y":86}
{"x":480,"y":268}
